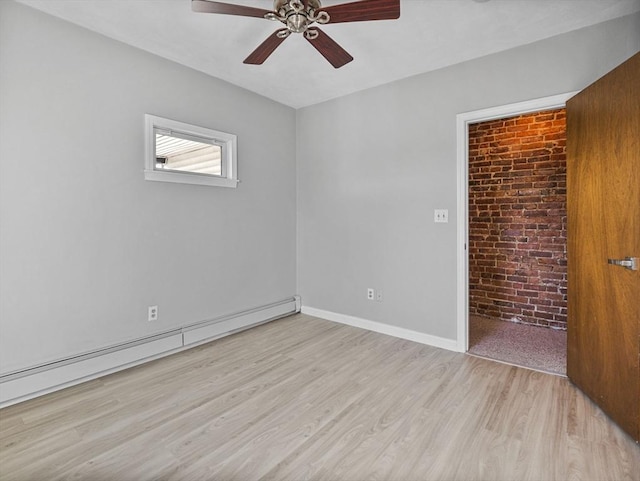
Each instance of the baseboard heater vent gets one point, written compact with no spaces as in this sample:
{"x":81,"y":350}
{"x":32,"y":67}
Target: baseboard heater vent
{"x":37,"y":380}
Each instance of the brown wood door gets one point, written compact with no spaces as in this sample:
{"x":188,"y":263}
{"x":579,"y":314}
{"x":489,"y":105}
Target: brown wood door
{"x":603,"y":210}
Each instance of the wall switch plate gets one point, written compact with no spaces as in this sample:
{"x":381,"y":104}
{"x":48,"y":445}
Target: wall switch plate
{"x":441,"y":215}
{"x":378,"y":295}
{"x":152,"y":313}
{"x":371,"y":294}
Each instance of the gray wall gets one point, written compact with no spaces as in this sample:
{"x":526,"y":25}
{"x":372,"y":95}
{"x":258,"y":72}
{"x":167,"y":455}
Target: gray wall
{"x":86,"y":244}
{"x":373,"y":166}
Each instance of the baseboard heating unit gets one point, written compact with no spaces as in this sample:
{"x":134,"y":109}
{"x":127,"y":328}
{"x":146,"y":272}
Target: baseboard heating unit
{"x":35,"y":381}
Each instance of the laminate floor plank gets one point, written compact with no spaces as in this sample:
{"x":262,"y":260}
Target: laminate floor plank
{"x":221,"y":416}
{"x":68,"y":413}
{"x":354,"y":384}
{"x":303,"y":398}
{"x":312,"y":401}
{"x":129,"y":433}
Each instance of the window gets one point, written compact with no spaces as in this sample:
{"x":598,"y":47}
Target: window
{"x":188,"y":154}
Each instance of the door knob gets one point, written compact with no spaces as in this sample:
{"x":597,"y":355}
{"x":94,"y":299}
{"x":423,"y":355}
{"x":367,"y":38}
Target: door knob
{"x":630,"y":263}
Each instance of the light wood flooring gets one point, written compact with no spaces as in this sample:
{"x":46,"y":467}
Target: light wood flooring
{"x":302,"y":398}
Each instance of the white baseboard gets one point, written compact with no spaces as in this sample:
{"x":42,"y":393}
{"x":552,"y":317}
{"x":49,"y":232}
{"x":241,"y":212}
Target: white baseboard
{"x":39,"y":380}
{"x":400,"y":332}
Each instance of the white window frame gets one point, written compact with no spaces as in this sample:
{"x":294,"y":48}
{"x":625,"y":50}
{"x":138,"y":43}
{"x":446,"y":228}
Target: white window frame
{"x":228,"y":143}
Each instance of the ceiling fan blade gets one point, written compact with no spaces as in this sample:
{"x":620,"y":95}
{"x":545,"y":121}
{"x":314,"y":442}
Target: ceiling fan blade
{"x":363,"y":10}
{"x":334,"y":53}
{"x":209,"y":6}
{"x":266,"y":48}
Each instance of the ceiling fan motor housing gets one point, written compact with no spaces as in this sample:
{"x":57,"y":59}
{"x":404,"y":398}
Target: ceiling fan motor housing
{"x":298,"y":15}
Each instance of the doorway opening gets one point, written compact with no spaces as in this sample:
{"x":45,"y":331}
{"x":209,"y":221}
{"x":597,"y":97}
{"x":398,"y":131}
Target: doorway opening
{"x":517,"y":239}
{"x":512,"y":233}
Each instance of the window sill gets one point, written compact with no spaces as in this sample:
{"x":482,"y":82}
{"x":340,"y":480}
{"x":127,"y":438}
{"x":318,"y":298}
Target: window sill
{"x":186,"y":178}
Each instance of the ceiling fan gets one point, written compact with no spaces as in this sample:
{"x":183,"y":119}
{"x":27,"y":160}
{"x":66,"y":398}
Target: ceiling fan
{"x":299,"y":16}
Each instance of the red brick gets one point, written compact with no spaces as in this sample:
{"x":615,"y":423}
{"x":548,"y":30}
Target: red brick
{"x":517,"y":211}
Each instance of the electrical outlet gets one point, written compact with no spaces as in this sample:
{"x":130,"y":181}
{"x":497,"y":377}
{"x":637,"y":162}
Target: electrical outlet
{"x":378,"y":295}
{"x":441,"y":215}
{"x":371,"y":294}
{"x":152,"y":313}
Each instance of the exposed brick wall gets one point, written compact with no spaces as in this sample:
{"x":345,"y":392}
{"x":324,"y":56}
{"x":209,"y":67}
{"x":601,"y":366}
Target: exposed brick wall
{"x":518,"y":219}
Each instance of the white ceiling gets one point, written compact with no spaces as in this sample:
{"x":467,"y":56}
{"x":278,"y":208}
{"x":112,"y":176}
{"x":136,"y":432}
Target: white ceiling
{"x":430,"y":34}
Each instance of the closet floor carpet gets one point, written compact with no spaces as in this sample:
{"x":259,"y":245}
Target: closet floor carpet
{"x":303,"y":398}
{"x":528,"y":346}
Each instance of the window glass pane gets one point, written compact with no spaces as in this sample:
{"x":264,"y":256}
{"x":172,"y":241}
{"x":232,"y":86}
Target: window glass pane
{"x":187,"y":155}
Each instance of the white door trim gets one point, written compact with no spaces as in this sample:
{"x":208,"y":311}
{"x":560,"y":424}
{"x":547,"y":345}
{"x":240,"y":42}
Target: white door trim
{"x":462,"y":123}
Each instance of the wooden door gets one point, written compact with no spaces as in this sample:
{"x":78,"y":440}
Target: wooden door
{"x":603,"y":209}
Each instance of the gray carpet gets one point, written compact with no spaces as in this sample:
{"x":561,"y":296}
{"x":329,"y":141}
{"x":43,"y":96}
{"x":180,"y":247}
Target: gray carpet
{"x":533,"y":347}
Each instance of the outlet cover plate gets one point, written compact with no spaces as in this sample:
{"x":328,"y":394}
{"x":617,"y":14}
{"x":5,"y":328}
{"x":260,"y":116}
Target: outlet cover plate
{"x":441,"y":216}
